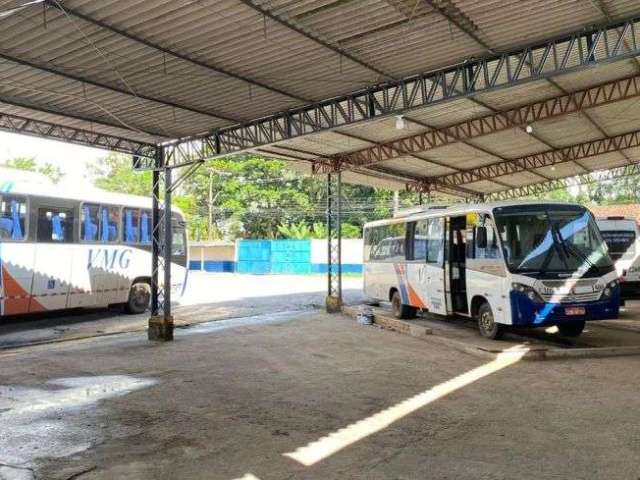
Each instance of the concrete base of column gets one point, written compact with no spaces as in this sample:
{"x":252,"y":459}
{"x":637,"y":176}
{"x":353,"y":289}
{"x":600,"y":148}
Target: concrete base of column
{"x":333,"y":304}
{"x":160,"y":329}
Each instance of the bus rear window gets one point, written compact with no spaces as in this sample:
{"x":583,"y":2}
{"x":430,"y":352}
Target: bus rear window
{"x":13,"y":214}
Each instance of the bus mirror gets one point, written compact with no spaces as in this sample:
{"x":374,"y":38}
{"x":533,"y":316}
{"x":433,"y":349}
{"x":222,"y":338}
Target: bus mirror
{"x":481,"y":237}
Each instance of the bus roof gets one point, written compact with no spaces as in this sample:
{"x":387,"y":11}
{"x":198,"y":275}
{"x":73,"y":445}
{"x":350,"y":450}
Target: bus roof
{"x":461,"y":208}
{"x":21,"y":182}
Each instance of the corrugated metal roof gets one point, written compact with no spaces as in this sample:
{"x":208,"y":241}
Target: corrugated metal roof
{"x":152,"y":70}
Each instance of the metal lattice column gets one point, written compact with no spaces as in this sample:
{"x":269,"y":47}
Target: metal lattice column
{"x":334,"y":243}
{"x":161,"y":321}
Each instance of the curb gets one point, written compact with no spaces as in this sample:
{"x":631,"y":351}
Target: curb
{"x":535,"y":354}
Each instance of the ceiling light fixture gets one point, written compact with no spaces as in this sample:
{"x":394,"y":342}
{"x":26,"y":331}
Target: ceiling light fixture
{"x":528,"y":129}
{"x":400,"y":123}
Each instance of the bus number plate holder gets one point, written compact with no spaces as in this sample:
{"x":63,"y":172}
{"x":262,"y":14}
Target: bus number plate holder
{"x":571,"y":311}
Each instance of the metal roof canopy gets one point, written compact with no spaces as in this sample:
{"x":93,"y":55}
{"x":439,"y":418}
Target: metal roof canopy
{"x":490,"y":117}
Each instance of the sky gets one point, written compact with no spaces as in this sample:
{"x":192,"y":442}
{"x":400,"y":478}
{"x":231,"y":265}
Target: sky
{"x":72,"y":159}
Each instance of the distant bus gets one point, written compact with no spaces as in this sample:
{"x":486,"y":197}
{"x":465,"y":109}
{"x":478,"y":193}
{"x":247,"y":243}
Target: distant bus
{"x":507,"y":263}
{"x":64,"y":247}
{"x":623,"y":239}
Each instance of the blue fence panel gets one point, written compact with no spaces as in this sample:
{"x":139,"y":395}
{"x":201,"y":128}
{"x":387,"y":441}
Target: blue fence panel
{"x":213,"y":265}
{"x":346,"y":268}
{"x":254,"y":250}
{"x":260,"y":268}
{"x":291,"y":257}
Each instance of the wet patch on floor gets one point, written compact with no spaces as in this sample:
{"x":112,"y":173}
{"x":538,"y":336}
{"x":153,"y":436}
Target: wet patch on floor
{"x":40,"y":422}
{"x":262,"y":319}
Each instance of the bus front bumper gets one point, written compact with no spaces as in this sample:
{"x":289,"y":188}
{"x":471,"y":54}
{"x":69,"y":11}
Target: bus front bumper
{"x":526,"y":313}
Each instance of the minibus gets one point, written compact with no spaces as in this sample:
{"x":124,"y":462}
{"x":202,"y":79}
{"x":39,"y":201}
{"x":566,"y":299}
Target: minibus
{"x":621,"y":236}
{"x":521,"y":263}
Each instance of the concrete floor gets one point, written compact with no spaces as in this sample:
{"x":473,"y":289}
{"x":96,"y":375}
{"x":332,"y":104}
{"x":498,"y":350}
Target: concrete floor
{"x":227,"y":400}
{"x":209,"y":296}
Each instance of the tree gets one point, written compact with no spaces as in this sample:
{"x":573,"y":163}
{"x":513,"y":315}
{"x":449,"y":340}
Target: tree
{"x":29,"y":164}
{"x":253,"y":197}
{"x":115,"y":174}
{"x":256,"y":192}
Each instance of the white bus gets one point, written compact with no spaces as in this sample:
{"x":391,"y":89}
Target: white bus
{"x":508,"y":263}
{"x":63,"y":247}
{"x":622,"y":237}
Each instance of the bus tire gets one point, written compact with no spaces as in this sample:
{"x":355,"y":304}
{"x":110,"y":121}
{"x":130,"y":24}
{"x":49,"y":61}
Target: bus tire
{"x":139,"y":297}
{"x":572,"y":329}
{"x":487,"y":325}
{"x":401,"y":310}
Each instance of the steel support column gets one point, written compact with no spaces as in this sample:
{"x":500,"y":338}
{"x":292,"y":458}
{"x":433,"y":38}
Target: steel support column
{"x":334,"y":243}
{"x":161,"y":320}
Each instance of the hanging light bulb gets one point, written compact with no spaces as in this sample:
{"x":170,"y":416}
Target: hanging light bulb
{"x":528,"y":129}
{"x":400,"y":123}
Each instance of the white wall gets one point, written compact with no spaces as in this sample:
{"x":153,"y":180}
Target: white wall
{"x":352,"y":249}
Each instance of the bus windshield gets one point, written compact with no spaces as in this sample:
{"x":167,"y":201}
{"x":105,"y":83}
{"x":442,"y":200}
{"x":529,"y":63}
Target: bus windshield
{"x":551,"y":239}
{"x":621,"y":243}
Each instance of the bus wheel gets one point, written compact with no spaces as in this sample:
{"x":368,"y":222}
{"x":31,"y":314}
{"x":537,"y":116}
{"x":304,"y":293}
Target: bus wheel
{"x":572,"y":329}
{"x":399,"y":309}
{"x":139,"y":297}
{"x":486,"y":323}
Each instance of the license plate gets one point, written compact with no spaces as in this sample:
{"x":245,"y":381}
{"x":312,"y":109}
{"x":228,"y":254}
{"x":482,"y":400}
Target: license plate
{"x":574,"y":311}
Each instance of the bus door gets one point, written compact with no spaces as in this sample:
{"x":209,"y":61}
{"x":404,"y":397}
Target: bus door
{"x":428,"y":256}
{"x":52,"y":265}
{"x":179,"y":255}
{"x":456,"y":277}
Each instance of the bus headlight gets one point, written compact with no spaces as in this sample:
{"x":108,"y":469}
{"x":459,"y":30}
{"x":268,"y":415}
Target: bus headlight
{"x":530,"y":293}
{"x":608,"y":290}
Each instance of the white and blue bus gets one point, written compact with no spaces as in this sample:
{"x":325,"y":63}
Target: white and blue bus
{"x":63,"y":247}
{"x":508,"y":263}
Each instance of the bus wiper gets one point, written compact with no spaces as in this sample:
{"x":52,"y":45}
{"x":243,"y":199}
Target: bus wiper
{"x":568,"y":247}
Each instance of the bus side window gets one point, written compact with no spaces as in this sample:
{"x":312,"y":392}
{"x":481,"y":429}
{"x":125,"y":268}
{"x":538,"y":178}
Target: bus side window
{"x":109,"y":222}
{"x":177,"y":242}
{"x":420,"y":240}
{"x":55,"y":225}
{"x":131,"y":225}
{"x":145,"y":226}
{"x":13,"y":211}
{"x":89,"y":221}
{"x":490,"y":249}
{"x":435,"y":240}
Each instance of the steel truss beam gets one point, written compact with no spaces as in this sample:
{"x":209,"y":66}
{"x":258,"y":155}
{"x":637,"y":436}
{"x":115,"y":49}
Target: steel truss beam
{"x":557,"y":184}
{"x":538,"y":160}
{"x":38,"y":128}
{"x":611,"y":42}
{"x":574,"y":102}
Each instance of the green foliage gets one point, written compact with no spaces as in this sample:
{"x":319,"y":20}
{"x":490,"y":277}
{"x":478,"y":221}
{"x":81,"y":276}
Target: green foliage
{"x":350,"y":231}
{"x":320,"y":230}
{"x":295,"y":231}
{"x":115,"y":174}
{"x":301,"y":231}
{"x":254,"y":197}
{"x":29,"y":164}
